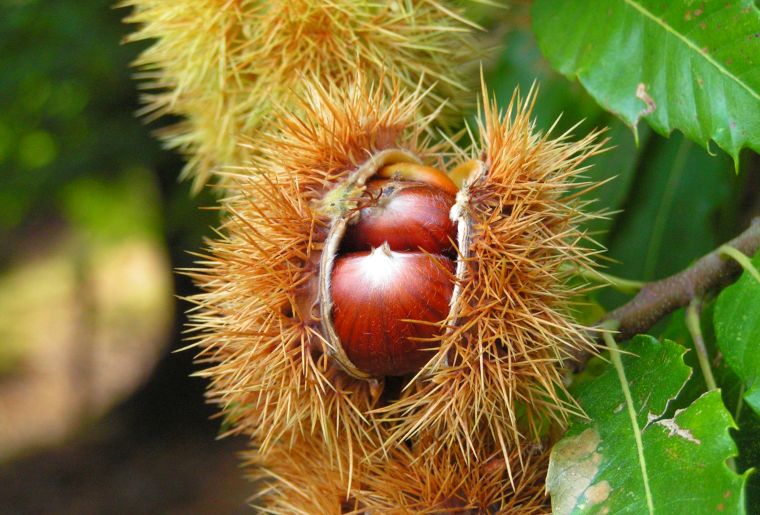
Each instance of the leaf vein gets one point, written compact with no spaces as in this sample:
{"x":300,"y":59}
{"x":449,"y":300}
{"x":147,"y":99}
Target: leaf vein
{"x":618,"y":363}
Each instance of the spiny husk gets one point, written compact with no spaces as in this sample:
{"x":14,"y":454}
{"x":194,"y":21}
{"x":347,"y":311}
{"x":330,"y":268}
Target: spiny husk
{"x":299,"y":479}
{"x":496,"y":383}
{"x":223,"y":65}
{"x":302,"y":478}
{"x":267,"y":360}
{"x":431,"y":478}
{"x":500,"y":365}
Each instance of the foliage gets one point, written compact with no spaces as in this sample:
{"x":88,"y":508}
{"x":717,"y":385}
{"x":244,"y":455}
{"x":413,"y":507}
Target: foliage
{"x":747,"y":435}
{"x":679,"y":197}
{"x":680,"y":65}
{"x":54,"y":126}
{"x":738,"y":333}
{"x":632,"y":454}
{"x":68,"y":134}
{"x":692,"y":65}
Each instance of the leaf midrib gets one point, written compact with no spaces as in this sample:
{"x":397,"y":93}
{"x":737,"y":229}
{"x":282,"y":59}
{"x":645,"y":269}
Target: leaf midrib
{"x":618,"y":364}
{"x":690,"y":44}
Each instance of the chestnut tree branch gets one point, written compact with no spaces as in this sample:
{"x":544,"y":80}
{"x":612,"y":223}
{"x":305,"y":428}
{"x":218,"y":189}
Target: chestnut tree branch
{"x":660,"y":298}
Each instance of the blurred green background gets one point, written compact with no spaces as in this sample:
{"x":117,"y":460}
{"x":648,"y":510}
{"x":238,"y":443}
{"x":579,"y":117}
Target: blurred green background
{"x":96,"y":414}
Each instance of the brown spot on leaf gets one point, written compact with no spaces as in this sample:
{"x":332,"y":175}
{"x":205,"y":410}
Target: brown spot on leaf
{"x":574,"y":464}
{"x":598,"y":493}
{"x":643,"y":95}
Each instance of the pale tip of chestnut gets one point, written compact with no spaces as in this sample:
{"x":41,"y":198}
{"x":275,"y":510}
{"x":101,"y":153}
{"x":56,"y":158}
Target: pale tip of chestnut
{"x":381,"y":265}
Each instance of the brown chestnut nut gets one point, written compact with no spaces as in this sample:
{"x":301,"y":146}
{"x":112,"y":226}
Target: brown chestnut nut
{"x":378,"y":299}
{"x":408,"y":215}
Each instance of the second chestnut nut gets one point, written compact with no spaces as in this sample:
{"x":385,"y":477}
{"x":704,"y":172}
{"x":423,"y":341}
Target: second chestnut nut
{"x":407,"y":215}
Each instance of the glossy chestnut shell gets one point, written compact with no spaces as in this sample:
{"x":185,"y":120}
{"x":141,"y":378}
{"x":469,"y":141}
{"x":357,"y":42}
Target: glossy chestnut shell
{"x":394,"y":250}
{"x":407,"y":215}
{"x":376,"y":296}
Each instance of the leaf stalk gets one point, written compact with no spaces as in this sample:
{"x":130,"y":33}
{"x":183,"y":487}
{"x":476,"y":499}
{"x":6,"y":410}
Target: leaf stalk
{"x":693,"y":324}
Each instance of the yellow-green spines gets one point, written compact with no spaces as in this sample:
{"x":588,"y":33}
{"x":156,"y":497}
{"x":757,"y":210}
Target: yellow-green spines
{"x":223,"y":65}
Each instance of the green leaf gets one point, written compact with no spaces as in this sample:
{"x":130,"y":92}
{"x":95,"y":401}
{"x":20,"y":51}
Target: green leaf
{"x":521,"y":64}
{"x":737,"y":328}
{"x":693,"y":66}
{"x":748,"y":440}
{"x":747,"y":437}
{"x":732,"y":388}
{"x":673,"y":214}
{"x":629,"y":457}
{"x":730,"y":385}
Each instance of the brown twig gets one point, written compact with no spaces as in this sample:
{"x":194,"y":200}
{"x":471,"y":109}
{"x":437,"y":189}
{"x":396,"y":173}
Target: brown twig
{"x":660,"y":298}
